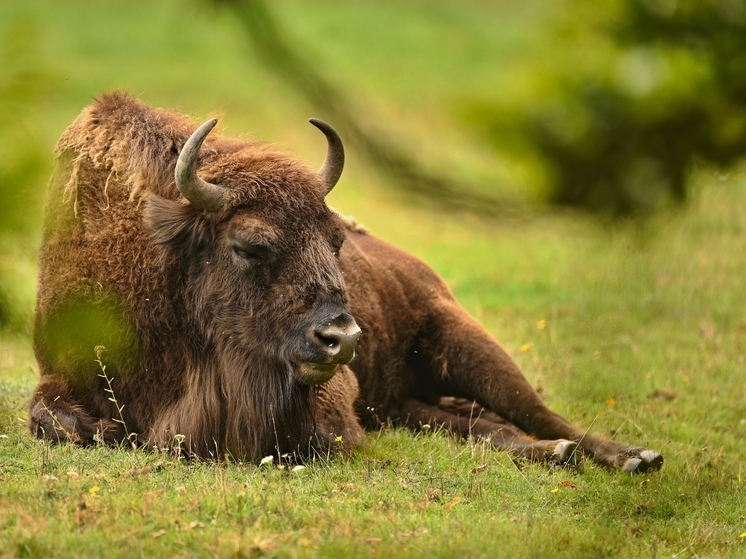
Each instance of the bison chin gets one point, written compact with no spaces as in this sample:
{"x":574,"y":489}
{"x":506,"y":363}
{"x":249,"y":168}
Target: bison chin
{"x":315,"y":373}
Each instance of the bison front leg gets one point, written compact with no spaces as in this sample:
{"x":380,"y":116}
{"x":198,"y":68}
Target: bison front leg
{"x":464,"y":359}
{"x":337,"y":426}
{"x":56,"y":417}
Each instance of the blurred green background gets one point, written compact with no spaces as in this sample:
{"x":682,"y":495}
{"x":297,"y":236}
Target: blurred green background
{"x":494,"y":139}
{"x":493,"y":108}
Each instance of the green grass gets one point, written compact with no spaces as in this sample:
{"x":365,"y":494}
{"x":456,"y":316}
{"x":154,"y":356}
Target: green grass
{"x":644,"y":343}
{"x":644,"y":339}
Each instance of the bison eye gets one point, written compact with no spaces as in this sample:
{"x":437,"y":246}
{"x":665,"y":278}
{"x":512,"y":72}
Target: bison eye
{"x":250,"y":252}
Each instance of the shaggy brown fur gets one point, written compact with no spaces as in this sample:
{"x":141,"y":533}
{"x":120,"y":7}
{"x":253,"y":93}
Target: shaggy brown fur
{"x":198,"y":343}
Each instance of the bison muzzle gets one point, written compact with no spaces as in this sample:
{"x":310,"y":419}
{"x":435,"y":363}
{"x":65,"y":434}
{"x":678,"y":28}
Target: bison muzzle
{"x":198,"y":289}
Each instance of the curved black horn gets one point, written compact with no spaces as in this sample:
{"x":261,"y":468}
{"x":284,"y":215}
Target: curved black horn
{"x":199,"y":192}
{"x":331,"y":170}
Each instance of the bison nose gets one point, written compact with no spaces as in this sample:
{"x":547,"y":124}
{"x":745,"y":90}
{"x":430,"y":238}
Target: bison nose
{"x":338,"y":338}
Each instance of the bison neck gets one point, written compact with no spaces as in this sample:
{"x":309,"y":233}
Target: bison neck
{"x":237,"y":409}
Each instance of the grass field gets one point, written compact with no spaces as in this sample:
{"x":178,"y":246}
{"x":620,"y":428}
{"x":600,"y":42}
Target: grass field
{"x":635,"y":330}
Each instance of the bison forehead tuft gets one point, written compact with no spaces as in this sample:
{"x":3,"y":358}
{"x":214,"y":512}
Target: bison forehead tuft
{"x":259,"y":178}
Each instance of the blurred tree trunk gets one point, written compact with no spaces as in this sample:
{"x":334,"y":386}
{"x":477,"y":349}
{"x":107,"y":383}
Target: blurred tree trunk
{"x":282,"y":56}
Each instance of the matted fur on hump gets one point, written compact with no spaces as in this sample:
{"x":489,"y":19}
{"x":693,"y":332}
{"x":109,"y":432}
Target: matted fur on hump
{"x":136,"y":143}
{"x":138,"y":146}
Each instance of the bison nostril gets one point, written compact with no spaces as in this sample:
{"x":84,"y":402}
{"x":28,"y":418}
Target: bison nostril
{"x":331,"y":343}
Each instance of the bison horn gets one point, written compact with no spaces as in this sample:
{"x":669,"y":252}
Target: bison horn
{"x":331,"y":170}
{"x":199,"y":192}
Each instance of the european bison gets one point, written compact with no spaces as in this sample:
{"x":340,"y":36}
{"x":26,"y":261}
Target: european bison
{"x":196,"y":292}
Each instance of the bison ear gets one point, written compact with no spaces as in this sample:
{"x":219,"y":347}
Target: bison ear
{"x":172,"y":223}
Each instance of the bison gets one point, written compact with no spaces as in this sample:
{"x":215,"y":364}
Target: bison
{"x":196,"y":292}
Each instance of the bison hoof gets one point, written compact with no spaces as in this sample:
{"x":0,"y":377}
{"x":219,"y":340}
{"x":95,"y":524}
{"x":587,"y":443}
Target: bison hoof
{"x":647,"y":461}
{"x":565,"y":453}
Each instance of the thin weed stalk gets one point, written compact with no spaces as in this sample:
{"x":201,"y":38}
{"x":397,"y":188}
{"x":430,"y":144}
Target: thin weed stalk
{"x":112,"y":397}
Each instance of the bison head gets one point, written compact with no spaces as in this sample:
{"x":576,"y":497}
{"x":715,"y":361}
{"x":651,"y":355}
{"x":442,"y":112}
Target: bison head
{"x":257,"y":252}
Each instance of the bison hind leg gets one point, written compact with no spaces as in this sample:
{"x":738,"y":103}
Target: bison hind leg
{"x":618,"y":456}
{"x":644,"y":461}
{"x":466,"y":418}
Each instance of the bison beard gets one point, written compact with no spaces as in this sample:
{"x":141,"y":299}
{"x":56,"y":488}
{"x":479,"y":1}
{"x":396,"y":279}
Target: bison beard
{"x":219,"y":291}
